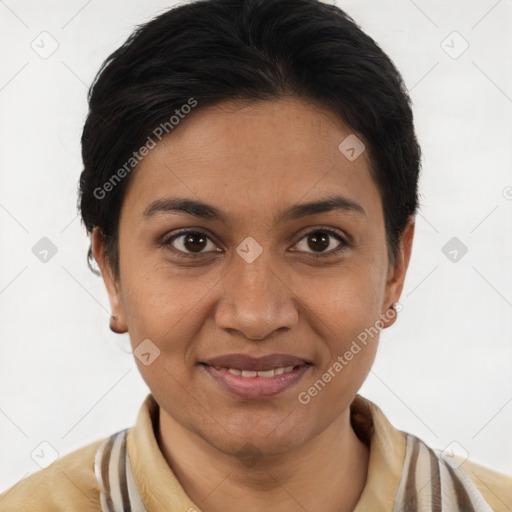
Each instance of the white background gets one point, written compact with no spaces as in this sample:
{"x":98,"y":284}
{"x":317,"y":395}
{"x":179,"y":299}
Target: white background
{"x":443,"y":371}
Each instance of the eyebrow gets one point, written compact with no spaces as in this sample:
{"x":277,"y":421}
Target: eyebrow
{"x":203,"y":210}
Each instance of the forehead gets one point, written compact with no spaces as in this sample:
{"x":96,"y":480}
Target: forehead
{"x":254,"y":158}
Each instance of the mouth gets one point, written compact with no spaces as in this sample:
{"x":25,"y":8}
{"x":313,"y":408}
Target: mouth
{"x":263,"y":373}
{"x":256,"y":378}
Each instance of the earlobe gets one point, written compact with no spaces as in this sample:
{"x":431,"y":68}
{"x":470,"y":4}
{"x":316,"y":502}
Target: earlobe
{"x":390,"y":315}
{"x":115,"y":325}
{"x":117,"y":321}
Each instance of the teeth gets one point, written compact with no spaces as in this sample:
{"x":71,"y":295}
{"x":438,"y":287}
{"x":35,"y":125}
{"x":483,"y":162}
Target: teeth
{"x":266,"y":373}
{"x":263,"y":373}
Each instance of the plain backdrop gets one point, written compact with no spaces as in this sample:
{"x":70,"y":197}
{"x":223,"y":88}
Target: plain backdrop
{"x":443,"y":371}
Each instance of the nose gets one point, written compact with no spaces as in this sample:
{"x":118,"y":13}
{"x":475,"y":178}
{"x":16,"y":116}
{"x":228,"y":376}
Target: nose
{"x":256,"y":300}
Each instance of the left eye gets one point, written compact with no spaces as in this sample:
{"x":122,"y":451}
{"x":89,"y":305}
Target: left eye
{"x":321,"y":242}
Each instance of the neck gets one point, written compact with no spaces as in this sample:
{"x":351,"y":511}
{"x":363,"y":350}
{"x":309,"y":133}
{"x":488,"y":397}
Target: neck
{"x":327,"y":473}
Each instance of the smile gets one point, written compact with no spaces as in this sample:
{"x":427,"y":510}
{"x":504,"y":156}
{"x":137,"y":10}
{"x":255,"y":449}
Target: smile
{"x":251,"y":373}
{"x":256,"y":377}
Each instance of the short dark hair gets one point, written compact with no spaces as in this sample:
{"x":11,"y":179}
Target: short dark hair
{"x":217,"y":50}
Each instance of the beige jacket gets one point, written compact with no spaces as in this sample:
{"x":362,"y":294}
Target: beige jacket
{"x":70,"y":483}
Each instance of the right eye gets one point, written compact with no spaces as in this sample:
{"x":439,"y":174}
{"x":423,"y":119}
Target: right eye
{"x":188,"y":244}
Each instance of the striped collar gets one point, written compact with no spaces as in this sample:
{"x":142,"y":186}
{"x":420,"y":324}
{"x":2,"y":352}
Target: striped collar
{"x":404,"y":474}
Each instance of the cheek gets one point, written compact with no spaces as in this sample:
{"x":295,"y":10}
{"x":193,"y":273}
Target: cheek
{"x":346,"y":321}
{"x":175,"y":310}
{"x":348,"y":298}
{"x":169,"y":308}
{"x":346,"y":316}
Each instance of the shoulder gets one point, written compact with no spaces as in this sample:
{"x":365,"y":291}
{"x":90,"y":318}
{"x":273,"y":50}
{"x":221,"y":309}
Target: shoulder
{"x":68,"y":484}
{"x":496,"y":488}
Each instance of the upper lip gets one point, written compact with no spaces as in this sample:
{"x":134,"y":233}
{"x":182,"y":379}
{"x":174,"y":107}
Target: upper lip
{"x":245,"y":362}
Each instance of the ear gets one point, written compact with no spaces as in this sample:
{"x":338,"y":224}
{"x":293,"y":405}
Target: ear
{"x":396,"y":273}
{"x":117,"y":320}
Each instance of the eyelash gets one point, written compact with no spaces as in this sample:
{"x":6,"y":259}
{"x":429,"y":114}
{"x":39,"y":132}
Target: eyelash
{"x":167,"y":243}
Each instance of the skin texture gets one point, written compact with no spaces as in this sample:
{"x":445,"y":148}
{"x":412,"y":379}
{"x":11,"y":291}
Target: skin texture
{"x":253,"y":161}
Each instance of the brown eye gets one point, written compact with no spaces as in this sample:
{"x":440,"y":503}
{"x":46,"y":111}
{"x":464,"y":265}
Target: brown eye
{"x":194,"y":242}
{"x":319,"y":241}
{"x":189,"y":243}
{"x":322,"y":241}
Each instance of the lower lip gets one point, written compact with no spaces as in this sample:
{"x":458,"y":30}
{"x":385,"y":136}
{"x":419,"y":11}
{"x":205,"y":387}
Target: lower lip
{"x":256,"y":387}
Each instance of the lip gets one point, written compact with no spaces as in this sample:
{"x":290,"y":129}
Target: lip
{"x":246,"y":362}
{"x":254,"y":388}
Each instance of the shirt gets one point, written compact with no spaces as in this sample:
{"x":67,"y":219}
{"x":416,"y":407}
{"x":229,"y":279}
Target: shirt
{"x":398,"y":479}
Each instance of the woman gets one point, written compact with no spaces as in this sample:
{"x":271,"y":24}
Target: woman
{"x":250,"y":186}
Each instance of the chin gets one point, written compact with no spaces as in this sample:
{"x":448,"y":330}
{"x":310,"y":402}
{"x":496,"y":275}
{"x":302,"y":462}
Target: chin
{"x":253,"y":437}
{"x":251,"y":448}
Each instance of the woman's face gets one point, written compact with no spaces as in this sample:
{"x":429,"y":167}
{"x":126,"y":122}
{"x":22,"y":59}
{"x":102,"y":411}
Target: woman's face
{"x":250,"y":273}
